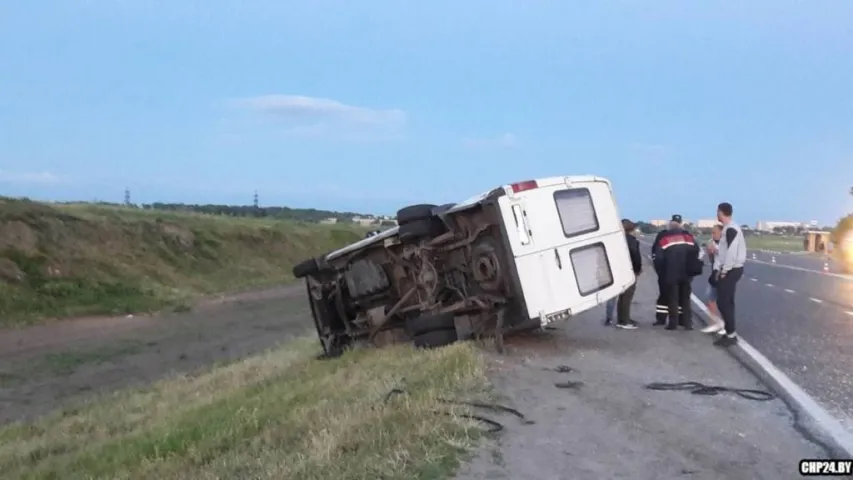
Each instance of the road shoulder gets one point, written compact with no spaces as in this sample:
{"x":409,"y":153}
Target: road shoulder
{"x":613,"y":427}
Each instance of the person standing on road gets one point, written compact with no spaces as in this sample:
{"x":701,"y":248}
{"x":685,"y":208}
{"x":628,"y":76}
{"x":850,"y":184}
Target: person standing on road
{"x":677,"y":259}
{"x":711,"y":250}
{"x":662,"y":304}
{"x":623,"y":305}
{"x":728,"y":263}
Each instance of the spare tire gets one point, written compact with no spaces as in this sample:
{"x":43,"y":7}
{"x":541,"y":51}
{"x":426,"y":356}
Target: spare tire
{"x":435,"y":338}
{"x":306,"y":267}
{"x":430,"y":322}
{"x":413,"y":213}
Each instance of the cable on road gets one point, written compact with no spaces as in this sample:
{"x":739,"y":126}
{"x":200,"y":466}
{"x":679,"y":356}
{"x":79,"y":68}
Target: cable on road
{"x":697,"y":388}
{"x":494,"y":426}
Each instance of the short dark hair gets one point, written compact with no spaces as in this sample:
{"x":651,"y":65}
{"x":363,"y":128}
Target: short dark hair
{"x":628,"y":225}
{"x":725,"y":208}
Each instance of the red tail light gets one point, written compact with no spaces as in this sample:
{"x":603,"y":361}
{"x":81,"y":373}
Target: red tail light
{"x":523,"y":186}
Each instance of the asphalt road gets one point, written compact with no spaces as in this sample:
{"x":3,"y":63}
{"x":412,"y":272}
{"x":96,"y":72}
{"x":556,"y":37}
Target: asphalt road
{"x":802,"y":320}
{"x":813,"y":262}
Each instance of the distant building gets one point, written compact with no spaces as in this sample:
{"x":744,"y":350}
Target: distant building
{"x":369,"y":220}
{"x":330,"y":220}
{"x":765,"y":226}
{"x":706,"y":223}
{"x":659,"y":223}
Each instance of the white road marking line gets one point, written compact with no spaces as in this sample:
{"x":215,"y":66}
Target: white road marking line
{"x":803,"y":401}
{"x":754,"y":279}
{"x":769,"y":284}
{"x":815,"y":300}
{"x":808,"y":270}
{"x":849,"y":313}
{"x":789,"y":290}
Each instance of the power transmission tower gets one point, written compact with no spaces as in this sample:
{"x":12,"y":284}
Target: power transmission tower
{"x":256,"y":200}
{"x":127,"y":196}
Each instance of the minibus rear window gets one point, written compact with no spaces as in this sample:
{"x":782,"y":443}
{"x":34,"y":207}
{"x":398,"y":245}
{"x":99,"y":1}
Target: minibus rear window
{"x":576,"y":211}
{"x":592,"y":268}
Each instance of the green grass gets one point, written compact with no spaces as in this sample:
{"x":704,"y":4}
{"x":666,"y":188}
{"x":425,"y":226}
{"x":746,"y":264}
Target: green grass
{"x":278,"y":415}
{"x":68,"y":260}
{"x":778,"y":243}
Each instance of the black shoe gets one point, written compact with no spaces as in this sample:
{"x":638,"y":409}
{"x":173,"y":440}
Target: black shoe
{"x":726,"y":341}
{"x":634,"y":323}
{"x":670,"y":327}
{"x":607,"y":322}
{"x":687,"y":327}
{"x":659,"y":323}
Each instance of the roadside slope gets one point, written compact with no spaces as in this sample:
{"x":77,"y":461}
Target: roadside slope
{"x":70,"y":260}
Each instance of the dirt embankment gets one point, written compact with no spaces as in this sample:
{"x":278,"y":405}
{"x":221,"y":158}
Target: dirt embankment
{"x":72,"y":260}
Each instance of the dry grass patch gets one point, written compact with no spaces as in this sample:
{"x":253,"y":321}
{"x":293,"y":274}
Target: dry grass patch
{"x":279,"y":415}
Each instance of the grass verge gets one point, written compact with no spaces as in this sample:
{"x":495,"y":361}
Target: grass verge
{"x":776,"y":243}
{"x":278,"y":415}
{"x":69,"y":260}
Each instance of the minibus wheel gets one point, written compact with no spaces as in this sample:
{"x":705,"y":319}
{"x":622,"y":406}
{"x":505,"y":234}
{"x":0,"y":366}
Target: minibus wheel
{"x":305,"y":268}
{"x":414,"y":231}
{"x":414,"y":213}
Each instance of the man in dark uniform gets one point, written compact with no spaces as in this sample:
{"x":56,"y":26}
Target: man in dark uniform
{"x":662,"y":304}
{"x":676,"y":259}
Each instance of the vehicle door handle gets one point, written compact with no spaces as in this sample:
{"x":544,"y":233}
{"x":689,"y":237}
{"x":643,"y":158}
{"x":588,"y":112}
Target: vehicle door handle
{"x":557,"y":257}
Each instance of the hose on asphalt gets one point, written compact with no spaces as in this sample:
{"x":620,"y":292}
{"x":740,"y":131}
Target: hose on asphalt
{"x":697,"y":388}
{"x":493,"y":426}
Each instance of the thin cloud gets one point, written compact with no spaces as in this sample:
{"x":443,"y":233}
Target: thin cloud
{"x":43,"y":177}
{"x":504,"y":141}
{"x":311,"y":118}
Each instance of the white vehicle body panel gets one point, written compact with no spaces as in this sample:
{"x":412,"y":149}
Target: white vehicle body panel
{"x":553,"y":264}
{"x":556,"y":266}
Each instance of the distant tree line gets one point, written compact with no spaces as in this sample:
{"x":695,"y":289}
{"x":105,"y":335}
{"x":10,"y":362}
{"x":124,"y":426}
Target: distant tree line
{"x":284,"y":213}
{"x":301,"y":214}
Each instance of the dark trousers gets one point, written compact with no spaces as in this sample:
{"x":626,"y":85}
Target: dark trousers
{"x":623,"y":305}
{"x":662,"y":304}
{"x":680,"y":312}
{"x":726,"y":297}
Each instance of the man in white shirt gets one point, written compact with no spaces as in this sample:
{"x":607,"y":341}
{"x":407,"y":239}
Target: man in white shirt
{"x":728,"y":263}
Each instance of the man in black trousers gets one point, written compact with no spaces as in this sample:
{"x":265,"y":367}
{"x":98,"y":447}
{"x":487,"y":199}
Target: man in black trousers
{"x":662,"y":304}
{"x":623,"y":304}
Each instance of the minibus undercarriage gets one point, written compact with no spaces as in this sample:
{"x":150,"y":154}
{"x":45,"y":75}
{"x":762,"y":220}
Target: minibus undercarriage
{"x":441,"y":277}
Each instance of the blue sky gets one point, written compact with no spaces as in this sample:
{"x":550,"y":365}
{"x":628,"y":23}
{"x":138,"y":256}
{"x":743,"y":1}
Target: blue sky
{"x":375,"y":104}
